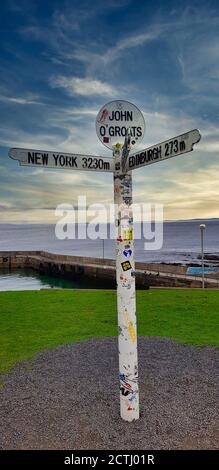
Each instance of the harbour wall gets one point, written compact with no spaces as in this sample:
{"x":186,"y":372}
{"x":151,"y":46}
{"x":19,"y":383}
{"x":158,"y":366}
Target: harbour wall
{"x":80,"y":267}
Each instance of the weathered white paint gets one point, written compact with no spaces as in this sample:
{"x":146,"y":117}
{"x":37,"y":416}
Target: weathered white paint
{"x":126,"y":300}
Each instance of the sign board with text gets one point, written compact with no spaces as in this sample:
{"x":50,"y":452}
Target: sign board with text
{"x":113,"y":121}
{"x":170,"y":148}
{"x":69,"y":161}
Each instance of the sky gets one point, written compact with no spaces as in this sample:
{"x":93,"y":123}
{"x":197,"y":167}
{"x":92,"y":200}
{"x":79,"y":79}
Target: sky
{"x":61,"y":61}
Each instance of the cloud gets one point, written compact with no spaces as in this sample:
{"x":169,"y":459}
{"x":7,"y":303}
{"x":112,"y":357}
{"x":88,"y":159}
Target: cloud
{"x":83,"y":86}
{"x":72,"y":129}
{"x":18,"y":138}
{"x":130,"y":42}
{"x":17,"y":100}
{"x":96,"y":61}
{"x":32,"y":194}
{"x":82,"y":112}
{"x":65,"y":133}
{"x":202,"y":74}
{"x":194,"y":42}
{"x":209,"y":147}
{"x":165,"y":61}
{"x":4,"y":205}
{"x":65,"y":28}
{"x":184,"y":195}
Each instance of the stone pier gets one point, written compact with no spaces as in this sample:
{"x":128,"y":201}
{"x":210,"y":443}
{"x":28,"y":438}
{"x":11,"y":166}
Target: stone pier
{"x":80,"y":267}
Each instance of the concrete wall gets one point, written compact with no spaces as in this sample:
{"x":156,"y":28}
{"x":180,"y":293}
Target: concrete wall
{"x":168,"y":268}
{"x":16,"y":259}
{"x":78,"y":267}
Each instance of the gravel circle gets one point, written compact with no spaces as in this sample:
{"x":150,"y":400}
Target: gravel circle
{"x":67,"y":398}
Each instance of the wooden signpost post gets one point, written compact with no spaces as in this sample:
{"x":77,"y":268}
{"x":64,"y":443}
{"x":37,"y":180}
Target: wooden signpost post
{"x":120,"y":125}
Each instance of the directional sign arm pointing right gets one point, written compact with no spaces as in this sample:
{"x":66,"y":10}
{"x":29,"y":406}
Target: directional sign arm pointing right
{"x":169,"y":148}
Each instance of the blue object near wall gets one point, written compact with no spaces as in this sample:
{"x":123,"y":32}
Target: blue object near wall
{"x":197,"y":271}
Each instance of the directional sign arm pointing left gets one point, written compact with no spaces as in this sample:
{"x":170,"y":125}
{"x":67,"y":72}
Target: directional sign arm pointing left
{"x":59,"y":160}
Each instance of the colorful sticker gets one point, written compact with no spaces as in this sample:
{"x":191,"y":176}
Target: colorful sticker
{"x":125,"y":282}
{"x":117,"y":146}
{"x":104,"y":115}
{"x":130,"y":326}
{"x":128,"y":233}
{"x":127,"y":253}
{"x":126,"y":265}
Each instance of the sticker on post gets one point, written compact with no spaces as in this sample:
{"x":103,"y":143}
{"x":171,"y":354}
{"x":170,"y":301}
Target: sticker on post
{"x":126,"y":265}
{"x":127,"y":253}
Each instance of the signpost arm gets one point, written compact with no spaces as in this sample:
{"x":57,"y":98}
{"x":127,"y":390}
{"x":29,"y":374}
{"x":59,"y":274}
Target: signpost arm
{"x":170,"y":148}
{"x":126,"y":298}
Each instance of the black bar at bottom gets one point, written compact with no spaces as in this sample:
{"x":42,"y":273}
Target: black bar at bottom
{"x":94,"y":458}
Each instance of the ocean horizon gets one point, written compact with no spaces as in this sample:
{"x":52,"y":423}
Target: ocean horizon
{"x":181,"y":241}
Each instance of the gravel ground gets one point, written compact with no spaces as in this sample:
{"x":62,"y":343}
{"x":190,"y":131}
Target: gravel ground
{"x":67,"y":398}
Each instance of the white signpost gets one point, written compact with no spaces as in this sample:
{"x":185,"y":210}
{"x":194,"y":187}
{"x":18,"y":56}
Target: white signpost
{"x":120,"y":125}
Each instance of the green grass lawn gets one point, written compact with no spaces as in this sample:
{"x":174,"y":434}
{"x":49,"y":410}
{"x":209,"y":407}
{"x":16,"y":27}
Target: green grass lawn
{"x":37,"y":320}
